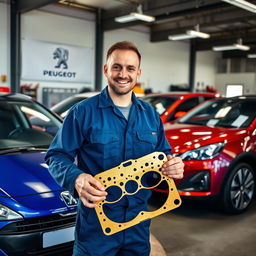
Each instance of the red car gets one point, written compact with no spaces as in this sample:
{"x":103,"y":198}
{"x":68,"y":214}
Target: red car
{"x":217,"y":142}
{"x":173,"y":105}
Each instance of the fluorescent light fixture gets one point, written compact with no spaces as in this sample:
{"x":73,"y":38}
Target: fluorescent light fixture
{"x":189,"y":34}
{"x":135,"y":16}
{"x":139,"y":15}
{"x":238,"y":46}
{"x":242,"y":4}
{"x":231,"y":47}
{"x":198,"y":34}
{"x":251,"y":55}
{"x":180,"y":37}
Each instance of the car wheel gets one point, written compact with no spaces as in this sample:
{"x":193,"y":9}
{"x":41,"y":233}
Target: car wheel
{"x":239,"y":189}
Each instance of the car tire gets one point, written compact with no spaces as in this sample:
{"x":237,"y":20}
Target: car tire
{"x":239,"y":189}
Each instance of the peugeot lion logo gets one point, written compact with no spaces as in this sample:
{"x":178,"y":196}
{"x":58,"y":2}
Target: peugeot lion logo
{"x":68,"y":199}
{"x":62,"y":55}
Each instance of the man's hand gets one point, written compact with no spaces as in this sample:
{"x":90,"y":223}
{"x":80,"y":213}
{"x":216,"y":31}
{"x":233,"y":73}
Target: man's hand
{"x":173,"y":168}
{"x":89,"y":190}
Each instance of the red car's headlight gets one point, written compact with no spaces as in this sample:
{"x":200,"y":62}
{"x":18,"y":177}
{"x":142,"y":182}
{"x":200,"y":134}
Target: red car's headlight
{"x":203,"y":153}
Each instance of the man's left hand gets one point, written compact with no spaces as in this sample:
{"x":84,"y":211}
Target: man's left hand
{"x":173,"y":168}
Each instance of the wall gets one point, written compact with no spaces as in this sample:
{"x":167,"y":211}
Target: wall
{"x":246,"y":79}
{"x":206,"y":63}
{"x":49,"y":27}
{"x":4,"y":43}
{"x":163,"y":63}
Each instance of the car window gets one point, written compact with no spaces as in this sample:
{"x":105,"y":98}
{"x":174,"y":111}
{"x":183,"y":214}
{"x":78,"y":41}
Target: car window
{"x":185,"y":106}
{"x":25,"y":123}
{"x":160,"y":103}
{"x":65,"y":105}
{"x":231,"y":113}
{"x":205,"y":98}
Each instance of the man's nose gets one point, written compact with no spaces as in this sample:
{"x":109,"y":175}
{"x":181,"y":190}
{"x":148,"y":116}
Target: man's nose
{"x":123,"y":73}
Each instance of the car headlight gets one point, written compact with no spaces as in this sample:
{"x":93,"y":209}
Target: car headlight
{"x":203,"y":153}
{"x":8,"y":214}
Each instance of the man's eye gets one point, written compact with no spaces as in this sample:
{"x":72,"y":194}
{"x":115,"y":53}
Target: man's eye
{"x":116,"y":67}
{"x":131,"y":69}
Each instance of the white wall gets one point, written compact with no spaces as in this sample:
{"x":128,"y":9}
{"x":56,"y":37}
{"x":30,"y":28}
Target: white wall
{"x":246,"y":79}
{"x":49,"y":27}
{"x":163,"y":63}
{"x":4,"y":43}
{"x":206,"y":63}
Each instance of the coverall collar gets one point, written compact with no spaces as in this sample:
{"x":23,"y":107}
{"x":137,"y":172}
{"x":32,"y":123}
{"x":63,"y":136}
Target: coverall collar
{"x":105,"y":100}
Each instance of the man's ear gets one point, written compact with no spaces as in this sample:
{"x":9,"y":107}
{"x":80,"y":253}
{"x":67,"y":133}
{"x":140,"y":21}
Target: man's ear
{"x":139,"y":72}
{"x":105,"y":69}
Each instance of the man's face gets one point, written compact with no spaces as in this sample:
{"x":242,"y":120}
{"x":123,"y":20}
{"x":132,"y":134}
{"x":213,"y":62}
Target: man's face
{"x":122,"y":71}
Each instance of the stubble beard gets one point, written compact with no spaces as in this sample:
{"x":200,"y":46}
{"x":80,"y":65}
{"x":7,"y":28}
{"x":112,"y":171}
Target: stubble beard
{"x":118,"y":91}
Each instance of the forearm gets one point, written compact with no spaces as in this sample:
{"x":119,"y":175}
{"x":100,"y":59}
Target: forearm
{"x":63,"y":170}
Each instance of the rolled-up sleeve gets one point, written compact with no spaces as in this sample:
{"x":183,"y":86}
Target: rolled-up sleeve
{"x":63,"y":150}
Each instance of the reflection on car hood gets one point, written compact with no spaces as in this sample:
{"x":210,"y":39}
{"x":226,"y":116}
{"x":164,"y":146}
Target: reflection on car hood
{"x":25,"y":174}
{"x":184,"y":137}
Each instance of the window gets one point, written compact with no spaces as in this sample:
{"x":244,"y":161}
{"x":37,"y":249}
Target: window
{"x":234,"y":90}
{"x":184,"y":107}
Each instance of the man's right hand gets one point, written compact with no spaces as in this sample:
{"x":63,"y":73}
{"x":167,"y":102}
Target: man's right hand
{"x":89,"y":190}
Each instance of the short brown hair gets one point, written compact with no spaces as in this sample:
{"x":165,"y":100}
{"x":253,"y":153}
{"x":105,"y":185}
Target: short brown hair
{"x":124,"y":45}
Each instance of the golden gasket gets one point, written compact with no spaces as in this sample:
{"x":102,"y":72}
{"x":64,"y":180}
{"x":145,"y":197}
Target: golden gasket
{"x":129,"y":170}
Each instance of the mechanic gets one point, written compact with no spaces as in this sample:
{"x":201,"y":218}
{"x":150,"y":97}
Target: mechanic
{"x":100,"y":133}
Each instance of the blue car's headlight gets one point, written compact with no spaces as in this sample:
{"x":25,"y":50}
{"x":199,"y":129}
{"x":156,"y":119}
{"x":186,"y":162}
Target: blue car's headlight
{"x":203,"y":153}
{"x":8,"y":214}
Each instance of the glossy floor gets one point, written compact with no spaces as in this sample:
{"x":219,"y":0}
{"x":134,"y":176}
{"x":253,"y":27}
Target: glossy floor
{"x":199,"y":229}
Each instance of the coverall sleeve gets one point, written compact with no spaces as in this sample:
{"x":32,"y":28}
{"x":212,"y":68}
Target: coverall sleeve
{"x":63,"y":150}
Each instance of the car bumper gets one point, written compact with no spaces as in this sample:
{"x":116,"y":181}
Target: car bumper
{"x":201,"y":178}
{"x":29,"y":237}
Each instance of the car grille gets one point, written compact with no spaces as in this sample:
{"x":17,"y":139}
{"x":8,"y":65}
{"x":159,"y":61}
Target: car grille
{"x":59,"y":250}
{"x":39,"y":224}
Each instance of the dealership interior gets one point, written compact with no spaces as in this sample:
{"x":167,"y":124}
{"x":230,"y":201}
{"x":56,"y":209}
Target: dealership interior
{"x":198,"y":64}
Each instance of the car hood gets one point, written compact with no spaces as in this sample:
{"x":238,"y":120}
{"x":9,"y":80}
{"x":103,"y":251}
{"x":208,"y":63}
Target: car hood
{"x":184,"y":137}
{"x":25,"y":174}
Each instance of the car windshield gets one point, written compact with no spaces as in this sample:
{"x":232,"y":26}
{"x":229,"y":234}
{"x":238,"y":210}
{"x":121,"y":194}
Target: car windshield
{"x":225,"y":112}
{"x":160,"y":103}
{"x":26,"y":124}
{"x":63,"y":107}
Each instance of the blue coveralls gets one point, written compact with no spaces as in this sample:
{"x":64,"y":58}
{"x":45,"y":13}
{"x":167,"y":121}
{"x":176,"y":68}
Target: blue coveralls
{"x":96,"y":132}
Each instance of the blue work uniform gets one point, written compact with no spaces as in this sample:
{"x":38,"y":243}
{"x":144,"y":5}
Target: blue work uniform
{"x":99,"y":137}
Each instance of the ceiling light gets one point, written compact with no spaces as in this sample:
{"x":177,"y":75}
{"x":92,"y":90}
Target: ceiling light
{"x":242,"y":4}
{"x":238,"y":46}
{"x":231,"y":47}
{"x":189,"y":34}
{"x":251,"y":55}
{"x":198,"y":34}
{"x":180,"y":37}
{"x":139,"y":15}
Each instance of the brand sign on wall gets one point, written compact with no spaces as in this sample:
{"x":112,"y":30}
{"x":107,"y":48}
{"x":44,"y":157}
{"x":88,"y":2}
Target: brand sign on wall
{"x":55,"y":62}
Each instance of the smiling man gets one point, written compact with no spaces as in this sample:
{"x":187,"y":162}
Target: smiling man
{"x":102,"y":132}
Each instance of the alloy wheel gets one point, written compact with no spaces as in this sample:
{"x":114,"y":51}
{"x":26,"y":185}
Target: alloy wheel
{"x":242,"y":188}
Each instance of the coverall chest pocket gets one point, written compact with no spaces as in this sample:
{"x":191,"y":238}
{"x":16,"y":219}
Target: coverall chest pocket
{"x":105,"y":143}
{"x":146,"y":142}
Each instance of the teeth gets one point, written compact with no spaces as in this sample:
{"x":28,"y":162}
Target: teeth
{"x":123,"y":82}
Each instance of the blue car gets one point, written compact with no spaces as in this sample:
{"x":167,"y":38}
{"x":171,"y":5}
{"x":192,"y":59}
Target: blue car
{"x":37,"y":216}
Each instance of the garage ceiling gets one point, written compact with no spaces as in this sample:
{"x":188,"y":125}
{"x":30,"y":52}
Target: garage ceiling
{"x":224,"y":22}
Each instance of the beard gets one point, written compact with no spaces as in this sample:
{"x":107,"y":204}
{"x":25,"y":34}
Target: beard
{"x":119,"y":90}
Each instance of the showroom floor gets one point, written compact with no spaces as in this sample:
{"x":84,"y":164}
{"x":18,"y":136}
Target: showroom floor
{"x":198,"y":229}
